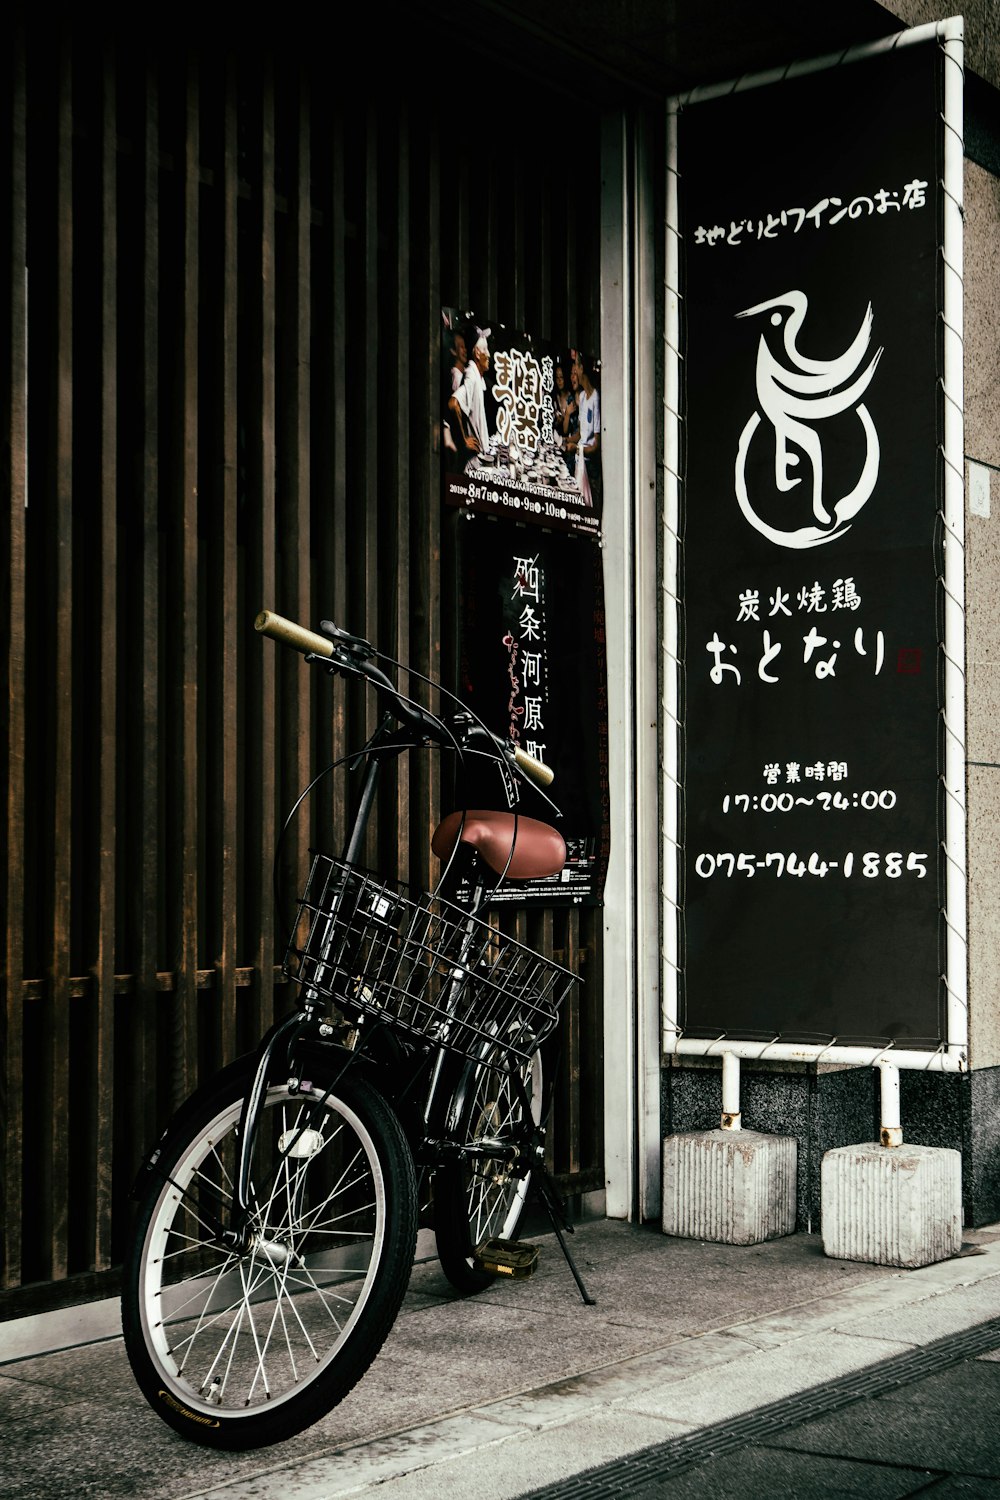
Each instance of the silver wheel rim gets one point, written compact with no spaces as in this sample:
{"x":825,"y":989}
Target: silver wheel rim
{"x":494,"y":1196}
{"x":232,"y":1335}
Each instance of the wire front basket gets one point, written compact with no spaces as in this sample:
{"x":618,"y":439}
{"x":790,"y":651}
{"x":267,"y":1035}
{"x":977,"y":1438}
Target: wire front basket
{"x":421,"y":964}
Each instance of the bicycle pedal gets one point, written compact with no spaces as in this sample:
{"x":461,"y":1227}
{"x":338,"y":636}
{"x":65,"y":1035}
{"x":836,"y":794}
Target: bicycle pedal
{"x":514,"y":1258}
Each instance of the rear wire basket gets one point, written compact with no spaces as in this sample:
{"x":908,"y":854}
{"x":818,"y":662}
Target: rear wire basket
{"x":421,"y":965}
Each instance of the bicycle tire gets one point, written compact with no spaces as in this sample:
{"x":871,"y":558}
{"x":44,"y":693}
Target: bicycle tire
{"x":243,"y":1351}
{"x":479,"y":1201}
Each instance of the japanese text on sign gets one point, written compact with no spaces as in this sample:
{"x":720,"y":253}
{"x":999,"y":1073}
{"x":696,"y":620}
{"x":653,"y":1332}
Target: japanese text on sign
{"x":523,"y":391}
{"x":525,"y":646}
{"x":826,"y":212}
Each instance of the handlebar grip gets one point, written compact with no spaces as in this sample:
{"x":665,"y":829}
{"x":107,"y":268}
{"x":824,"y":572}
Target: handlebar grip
{"x":535,"y":770}
{"x":291,"y":634}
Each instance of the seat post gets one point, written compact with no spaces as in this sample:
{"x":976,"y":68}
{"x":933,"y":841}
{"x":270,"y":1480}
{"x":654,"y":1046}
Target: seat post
{"x":466,"y":867}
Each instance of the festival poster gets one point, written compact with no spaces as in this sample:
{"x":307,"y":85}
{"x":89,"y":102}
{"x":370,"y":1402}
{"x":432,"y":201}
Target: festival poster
{"x":812,"y":825}
{"x":520,"y":426}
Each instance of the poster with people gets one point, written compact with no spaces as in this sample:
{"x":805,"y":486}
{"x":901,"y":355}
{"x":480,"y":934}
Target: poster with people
{"x":811,"y":569}
{"x":532,"y":666}
{"x":520,"y":425}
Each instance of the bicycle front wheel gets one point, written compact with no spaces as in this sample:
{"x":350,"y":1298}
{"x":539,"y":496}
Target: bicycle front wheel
{"x":238,"y":1350}
{"x":483,"y":1197}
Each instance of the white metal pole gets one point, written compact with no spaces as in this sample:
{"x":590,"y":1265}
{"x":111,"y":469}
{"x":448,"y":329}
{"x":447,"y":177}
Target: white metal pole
{"x":951,"y":41}
{"x":649,"y":1171}
{"x":620,"y":1005}
{"x":671,"y":667}
{"x":731,"y":1118}
{"x":891,"y":1133}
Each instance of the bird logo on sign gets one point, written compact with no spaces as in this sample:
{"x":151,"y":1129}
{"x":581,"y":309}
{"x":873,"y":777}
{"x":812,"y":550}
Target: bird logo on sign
{"x":795,"y":394}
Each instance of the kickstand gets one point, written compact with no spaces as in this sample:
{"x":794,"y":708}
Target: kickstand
{"x":548,"y":1194}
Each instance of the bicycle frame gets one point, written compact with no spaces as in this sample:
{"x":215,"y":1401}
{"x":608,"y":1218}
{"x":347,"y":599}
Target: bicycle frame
{"x":307,"y":1021}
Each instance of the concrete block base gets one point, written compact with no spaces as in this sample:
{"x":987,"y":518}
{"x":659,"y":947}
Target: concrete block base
{"x":892,"y":1205}
{"x":733,"y":1187}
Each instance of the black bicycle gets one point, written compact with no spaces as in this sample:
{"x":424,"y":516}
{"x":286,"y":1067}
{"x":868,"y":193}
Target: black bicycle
{"x":276,"y":1221}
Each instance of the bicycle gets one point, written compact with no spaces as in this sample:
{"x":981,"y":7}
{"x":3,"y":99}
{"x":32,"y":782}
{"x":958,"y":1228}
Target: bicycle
{"x":277,"y":1216}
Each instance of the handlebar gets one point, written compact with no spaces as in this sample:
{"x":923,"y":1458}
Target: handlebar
{"x":291,"y":634}
{"x":535,"y":770}
{"x":349,"y":653}
{"x":353,"y":654}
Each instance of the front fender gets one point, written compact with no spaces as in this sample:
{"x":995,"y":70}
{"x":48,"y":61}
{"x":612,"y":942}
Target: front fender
{"x":317,"y":1058}
{"x":242,"y":1069}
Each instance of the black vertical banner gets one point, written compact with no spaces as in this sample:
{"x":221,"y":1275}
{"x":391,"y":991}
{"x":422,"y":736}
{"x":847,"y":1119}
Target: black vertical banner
{"x":533,"y":667}
{"x":810,"y":226}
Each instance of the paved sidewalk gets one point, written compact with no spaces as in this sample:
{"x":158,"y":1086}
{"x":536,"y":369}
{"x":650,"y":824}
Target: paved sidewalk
{"x":685,"y":1379}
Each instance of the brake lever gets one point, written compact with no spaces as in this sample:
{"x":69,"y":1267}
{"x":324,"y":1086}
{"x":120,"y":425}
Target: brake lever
{"x":502,"y":752}
{"x":354,"y":645}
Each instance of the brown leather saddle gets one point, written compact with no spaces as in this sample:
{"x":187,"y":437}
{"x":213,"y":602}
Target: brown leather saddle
{"x":523,"y":848}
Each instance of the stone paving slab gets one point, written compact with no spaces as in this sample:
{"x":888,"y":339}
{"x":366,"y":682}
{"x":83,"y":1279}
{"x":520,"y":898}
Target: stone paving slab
{"x":568,"y":1400}
{"x":703,"y":1399}
{"x":944,"y":1422}
{"x":769,"y":1472}
{"x":499,"y":1468}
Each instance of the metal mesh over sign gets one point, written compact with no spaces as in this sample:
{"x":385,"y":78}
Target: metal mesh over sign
{"x":810,"y":220}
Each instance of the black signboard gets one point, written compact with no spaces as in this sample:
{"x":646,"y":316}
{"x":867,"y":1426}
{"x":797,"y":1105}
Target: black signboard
{"x":520,"y":426}
{"x":810,"y":225}
{"x":533,"y":667}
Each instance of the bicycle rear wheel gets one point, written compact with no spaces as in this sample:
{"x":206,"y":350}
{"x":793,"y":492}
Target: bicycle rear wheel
{"x":242,"y":1350}
{"x":483,"y":1198}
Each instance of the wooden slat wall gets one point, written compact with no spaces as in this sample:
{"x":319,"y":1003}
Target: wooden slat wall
{"x":222,"y":285}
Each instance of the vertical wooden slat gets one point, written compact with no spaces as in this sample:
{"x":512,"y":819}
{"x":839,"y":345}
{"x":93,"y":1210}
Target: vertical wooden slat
{"x":185,"y":1019}
{"x":423,"y":267}
{"x":401,"y":444}
{"x":426,"y":477}
{"x":450,"y":235}
{"x":54,"y":1200}
{"x":102,"y":1042}
{"x":264,"y":575}
{"x":540,"y":937}
{"x":336,"y":549}
{"x":226,"y":720}
{"x":460,"y":215}
{"x":572,"y":1117}
{"x":518,"y":231}
{"x":591,"y":1004}
{"x":572,"y":280}
{"x":12,"y":594}
{"x":367,"y":608}
{"x":539,"y":228}
{"x":146,"y":891}
{"x":486,"y":247}
{"x":298,"y":540}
